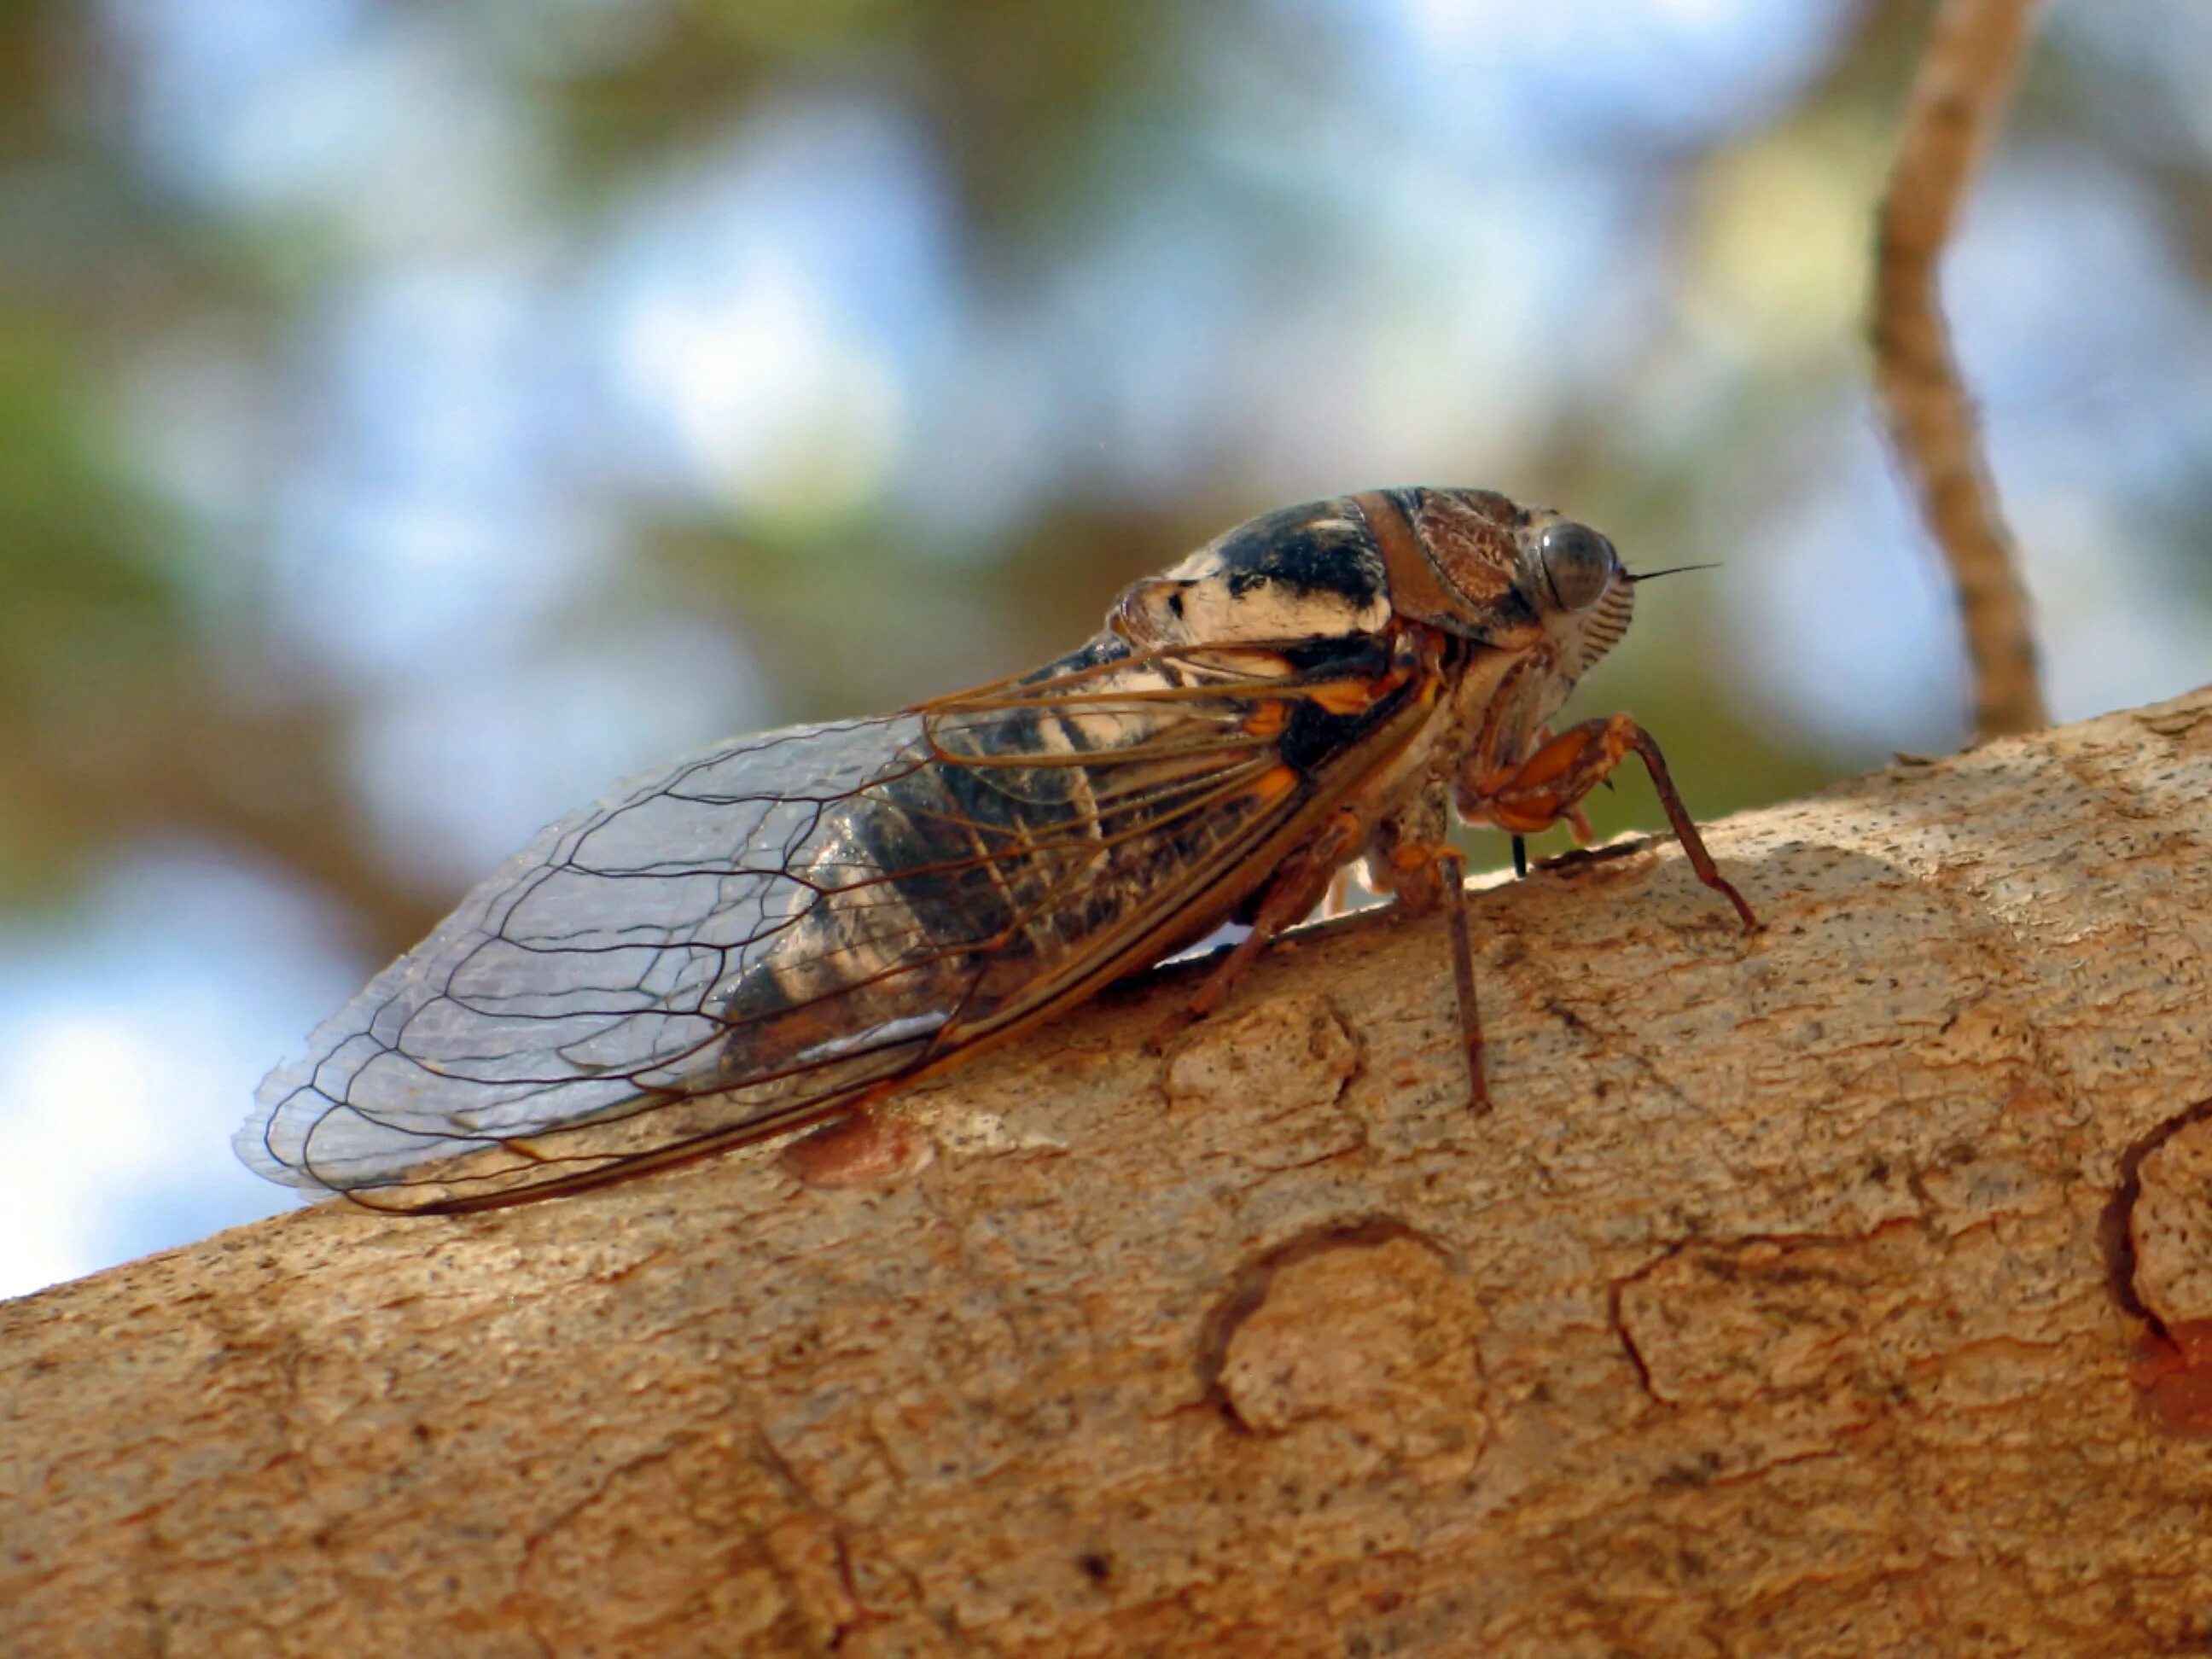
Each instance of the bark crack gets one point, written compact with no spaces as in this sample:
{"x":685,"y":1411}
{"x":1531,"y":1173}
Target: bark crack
{"x":2113,"y":1233}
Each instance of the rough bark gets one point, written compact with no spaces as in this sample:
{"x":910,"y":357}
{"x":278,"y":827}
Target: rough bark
{"x":1843,"y":1288}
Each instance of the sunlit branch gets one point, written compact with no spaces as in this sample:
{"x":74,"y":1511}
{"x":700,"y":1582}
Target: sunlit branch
{"x":1958,"y":100}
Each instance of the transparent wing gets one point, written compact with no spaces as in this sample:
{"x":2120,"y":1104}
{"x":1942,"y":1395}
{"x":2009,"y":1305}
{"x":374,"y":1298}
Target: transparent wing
{"x":752,"y":939}
{"x":579,"y":975}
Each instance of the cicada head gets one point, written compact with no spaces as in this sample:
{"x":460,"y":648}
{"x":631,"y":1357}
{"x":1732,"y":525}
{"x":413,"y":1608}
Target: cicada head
{"x":1472,"y":563}
{"x":1583,"y":595}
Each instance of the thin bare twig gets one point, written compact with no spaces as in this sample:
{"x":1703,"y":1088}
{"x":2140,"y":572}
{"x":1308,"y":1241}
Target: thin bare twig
{"x":1972,"y":61}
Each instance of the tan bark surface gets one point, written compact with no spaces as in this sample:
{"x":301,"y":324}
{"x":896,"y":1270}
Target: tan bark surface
{"x":1846,"y":1289}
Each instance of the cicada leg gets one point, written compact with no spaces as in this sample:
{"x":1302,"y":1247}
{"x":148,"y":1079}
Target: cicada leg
{"x":1297,"y":886}
{"x":1422,"y":870}
{"x":1548,"y":786}
{"x":1430,"y":873}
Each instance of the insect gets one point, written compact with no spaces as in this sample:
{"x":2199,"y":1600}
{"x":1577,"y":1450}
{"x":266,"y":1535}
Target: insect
{"x":792,"y":927}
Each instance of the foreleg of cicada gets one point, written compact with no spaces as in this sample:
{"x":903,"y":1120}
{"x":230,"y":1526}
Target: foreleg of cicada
{"x":1302,"y":879}
{"x":1422,"y":874}
{"x":1410,"y":858}
{"x":1548,"y":786}
{"x":1454,"y":870}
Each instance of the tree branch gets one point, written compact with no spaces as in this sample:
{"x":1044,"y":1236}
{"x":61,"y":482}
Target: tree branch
{"x":1958,"y":100}
{"x":1841,"y":1288}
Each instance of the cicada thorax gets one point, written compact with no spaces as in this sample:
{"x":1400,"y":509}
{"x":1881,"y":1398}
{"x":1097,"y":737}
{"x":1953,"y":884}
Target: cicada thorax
{"x":1454,"y":576}
{"x":1312,"y":574}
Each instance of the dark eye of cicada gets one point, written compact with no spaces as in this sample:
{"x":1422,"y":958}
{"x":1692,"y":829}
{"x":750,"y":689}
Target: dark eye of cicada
{"x":1579,"y":563}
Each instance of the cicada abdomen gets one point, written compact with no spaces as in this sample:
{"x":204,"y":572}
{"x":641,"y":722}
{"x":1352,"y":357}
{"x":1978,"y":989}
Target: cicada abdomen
{"x":792,"y":925}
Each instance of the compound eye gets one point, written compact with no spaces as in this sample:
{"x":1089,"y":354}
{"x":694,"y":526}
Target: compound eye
{"x":1579,"y":563}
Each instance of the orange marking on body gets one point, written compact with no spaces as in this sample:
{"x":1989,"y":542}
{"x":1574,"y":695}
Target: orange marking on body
{"x":1275,"y":782}
{"x":1553,"y":758}
{"x":1522,"y":820}
{"x":1343,"y":697}
{"x":1357,"y":696}
{"x":1268,"y":720}
{"x":1420,"y":854}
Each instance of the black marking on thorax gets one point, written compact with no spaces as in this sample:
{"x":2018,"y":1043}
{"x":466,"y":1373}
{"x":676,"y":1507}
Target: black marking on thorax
{"x":1315,"y":736}
{"x":1316,"y":548}
{"x":1101,"y":648}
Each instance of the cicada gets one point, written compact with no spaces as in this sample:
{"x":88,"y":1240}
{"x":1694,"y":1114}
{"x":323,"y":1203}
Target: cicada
{"x":792,"y":927}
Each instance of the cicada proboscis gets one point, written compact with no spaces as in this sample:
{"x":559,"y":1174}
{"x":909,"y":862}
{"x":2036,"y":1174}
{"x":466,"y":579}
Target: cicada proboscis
{"x":793,"y":926}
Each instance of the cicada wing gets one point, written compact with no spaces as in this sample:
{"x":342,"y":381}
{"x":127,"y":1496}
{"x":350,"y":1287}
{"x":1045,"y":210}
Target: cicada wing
{"x":752,"y":939}
{"x":577,"y":982}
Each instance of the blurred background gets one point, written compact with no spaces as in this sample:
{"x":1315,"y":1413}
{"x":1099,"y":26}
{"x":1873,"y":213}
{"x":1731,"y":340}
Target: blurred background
{"x":417,"y":415}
